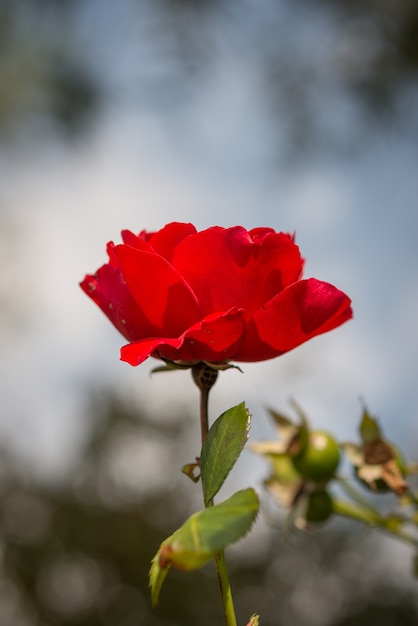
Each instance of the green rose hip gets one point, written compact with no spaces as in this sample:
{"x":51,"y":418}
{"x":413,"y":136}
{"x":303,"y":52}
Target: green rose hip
{"x":320,"y":507}
{"x":319,"y":458}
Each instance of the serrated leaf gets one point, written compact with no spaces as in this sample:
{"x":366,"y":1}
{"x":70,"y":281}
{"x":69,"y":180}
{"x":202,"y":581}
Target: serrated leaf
{"x":369,"y":428}
{"x":222,"y":447}
{"x":207,"y":532}
{"x":203,"y":535}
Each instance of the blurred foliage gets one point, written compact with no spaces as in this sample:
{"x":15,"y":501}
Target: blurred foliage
{"x":77,"y":552}
{"x":327,"y":71}
{"x":43,"y":76}
{"x":387,"y":58}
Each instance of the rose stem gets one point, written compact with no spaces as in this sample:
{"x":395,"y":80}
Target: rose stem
{"x":362,"y":512}
{"x":205,"y":377}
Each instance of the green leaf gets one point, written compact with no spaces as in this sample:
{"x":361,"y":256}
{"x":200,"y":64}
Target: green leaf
{"x":203,"y":535}
{"x":369,"y":428}
{"x":222,"y":447}
{"x":157,"y":576}
{"x":254,"y":620}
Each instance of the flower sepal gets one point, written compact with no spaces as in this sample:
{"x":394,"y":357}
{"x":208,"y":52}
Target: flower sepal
{"x":171,"y":366}
{"x":377,"y":463}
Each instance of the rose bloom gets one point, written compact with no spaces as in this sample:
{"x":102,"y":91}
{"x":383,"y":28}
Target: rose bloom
{"x":218,"y":295}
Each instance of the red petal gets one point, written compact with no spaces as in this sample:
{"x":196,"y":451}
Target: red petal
{"x":159,"y":291}
{"x":130,"y":239}
{"x":305,"y":309}
{"x":163,"y":241}
{"x":226,"y":268}
{"x":258,"y":234}
{"x":166,"y":240}
{"x":109,"y":291}
{"x":214,"y":339}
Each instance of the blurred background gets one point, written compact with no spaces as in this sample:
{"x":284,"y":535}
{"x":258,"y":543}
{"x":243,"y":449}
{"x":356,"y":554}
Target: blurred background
{"x":301,"y":115}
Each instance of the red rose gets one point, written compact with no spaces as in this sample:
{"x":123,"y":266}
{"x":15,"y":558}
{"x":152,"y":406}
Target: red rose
{"x":222,"y":294}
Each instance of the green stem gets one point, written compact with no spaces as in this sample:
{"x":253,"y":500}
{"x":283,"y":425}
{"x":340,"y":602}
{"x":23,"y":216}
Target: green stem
{"x":205,"y":377}
{"x":359,"y":498}
{"x":227,"y":600}
{"x":204,"y":421}
{"x":354,"y":512}
{"x":365,"y":514}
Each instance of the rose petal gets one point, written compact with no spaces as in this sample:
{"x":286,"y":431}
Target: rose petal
{"x":259,"y":233}
{"x":226,"y":268}
{"x":135,"y":241}
{"x":159,"y":291}
{"x":163,"y":241}
{"x":157,"y":287}
{"x":108,"y":290}
{"x":214,"y":339}
{"x":166,"y":240}
{"x":305,"y":309}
